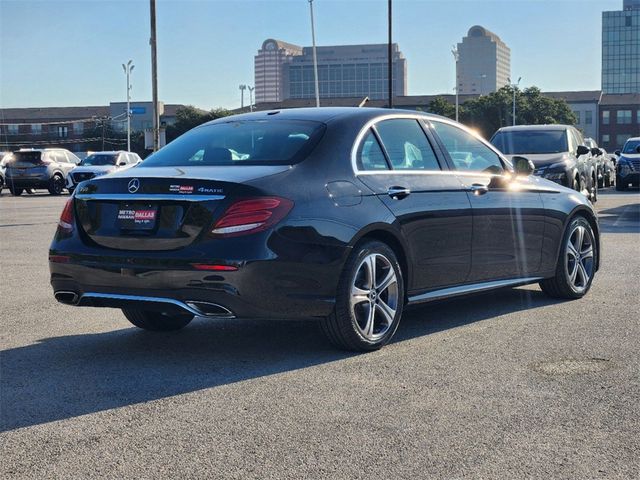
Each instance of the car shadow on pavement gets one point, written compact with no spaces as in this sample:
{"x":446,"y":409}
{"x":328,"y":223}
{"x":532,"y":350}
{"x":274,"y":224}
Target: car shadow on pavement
{"x":622,"y":219}
{"x":65,"y":377}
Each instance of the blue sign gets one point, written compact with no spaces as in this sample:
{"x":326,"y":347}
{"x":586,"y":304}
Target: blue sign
{"x":138,"y":110}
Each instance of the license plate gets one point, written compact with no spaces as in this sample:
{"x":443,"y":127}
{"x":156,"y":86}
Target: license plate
{"x":137,"y":217}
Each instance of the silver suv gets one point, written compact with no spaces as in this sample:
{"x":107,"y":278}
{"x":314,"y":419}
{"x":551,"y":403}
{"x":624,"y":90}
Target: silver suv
{"x":39,"y":168}
{"x":101,"y":163}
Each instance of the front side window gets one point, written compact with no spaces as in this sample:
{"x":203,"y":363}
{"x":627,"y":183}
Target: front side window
{"x":407,"y":145}
{"x":466,"y":151}
{"x":370,"y":155}
{"x":236,"y":143}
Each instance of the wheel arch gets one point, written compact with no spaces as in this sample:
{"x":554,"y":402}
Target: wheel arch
{"x":583,"y":211}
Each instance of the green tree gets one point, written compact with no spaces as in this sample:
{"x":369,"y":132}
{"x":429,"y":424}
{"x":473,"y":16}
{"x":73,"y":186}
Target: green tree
{"x":440,"y":106}
{"x":189,"y":117}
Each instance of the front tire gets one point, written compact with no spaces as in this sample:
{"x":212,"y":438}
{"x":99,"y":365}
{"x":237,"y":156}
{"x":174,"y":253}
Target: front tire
{"x":576,"y":263}
{"x":369,"y":300}
{"x":620,"y":185}
{"x":156,"y":321}
{"x":16,"y":192}
{"x":56,"y":185}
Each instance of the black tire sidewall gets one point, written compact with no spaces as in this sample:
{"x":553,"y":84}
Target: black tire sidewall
{"x":561,"y":270}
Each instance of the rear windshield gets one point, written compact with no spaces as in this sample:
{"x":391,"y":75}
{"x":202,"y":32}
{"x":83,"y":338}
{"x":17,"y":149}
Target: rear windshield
{"x":253,"y":142}
{"x":530,"y":141}
{"x":631,"y":146}
{"x":23,"y":159}
{"x":99,"y":159}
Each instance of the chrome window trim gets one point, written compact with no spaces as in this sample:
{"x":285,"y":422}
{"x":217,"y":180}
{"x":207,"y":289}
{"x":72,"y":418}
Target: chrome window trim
{"x":148,"y":197}
{"x":425,"y":118}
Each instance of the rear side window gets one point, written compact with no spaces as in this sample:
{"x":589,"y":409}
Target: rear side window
{"x":466,"y":151}
{"x":371,"y":156}
{"x":253,"y":142}
{"x":407,"y":145}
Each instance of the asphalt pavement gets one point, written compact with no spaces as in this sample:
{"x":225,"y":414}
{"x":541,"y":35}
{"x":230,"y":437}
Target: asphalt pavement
{"x":509,"y":384}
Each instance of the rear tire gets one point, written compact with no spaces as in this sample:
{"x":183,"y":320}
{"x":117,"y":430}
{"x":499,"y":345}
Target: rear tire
{"x":369,"y":300}
{"x":16,"y":191}
{"x":56,"y":185}
{"x":576,"y":263}
{"x":156,"y":321}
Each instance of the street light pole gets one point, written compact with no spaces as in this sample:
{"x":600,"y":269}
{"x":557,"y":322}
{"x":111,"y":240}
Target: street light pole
{"x":128,"y":68}
{"x":514,"y":86}
{"x":154,"y":78}
{"x":315,"y":57}
{"x":456,"y":56}
{"x":390,"y":53}
{"x":251,"y":89}
{"x":242,"y":89}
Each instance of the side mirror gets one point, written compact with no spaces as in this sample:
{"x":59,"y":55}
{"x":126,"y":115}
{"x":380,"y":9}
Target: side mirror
{"x":523,"y":166}
{"x":617,"y":152}
{"x":582,"y":150}
{"x":122,"y":164}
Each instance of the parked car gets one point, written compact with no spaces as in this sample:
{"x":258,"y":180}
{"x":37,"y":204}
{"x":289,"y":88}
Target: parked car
{"x":558,"y":152}
{"x":39,"y":168}
{"x":628,"y":167}
{"x":101,"y":163}
{"x":345,"y":215}
{"x":3,"y":156}
{"x":608,"y":169}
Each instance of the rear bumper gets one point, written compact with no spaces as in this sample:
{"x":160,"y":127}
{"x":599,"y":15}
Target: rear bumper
{"x":28,"y":182}
{"x":633,"y":178}
{"x":269,"y":288}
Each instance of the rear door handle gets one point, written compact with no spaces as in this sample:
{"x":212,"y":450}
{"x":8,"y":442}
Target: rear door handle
{"x":479,"y":189}
{"x":398,"y":193}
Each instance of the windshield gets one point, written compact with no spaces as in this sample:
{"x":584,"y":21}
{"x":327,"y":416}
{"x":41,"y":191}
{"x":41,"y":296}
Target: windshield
{"x":517,"y":142}
{"x":631,"y":146}
{"x":100,"y":159}
{"x":249,"y":142}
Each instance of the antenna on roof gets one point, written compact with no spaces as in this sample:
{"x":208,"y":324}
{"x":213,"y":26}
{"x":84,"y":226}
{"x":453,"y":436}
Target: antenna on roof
{"x":364,"y":101}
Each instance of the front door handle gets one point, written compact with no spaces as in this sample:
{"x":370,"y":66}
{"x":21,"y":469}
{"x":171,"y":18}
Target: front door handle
{"x":398,"y":193}
{"x":479,"y":189}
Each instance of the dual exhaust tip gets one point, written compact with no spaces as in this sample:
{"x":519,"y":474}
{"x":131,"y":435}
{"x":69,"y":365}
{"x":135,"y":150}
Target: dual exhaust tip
{"x":194,"y":307}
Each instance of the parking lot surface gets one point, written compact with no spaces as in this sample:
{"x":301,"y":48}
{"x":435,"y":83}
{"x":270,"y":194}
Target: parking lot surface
{"x":509,"y":384}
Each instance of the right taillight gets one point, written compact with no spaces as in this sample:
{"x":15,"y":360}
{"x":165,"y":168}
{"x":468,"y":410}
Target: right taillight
{"x":251,"y":215}
{"x":66,"y":218}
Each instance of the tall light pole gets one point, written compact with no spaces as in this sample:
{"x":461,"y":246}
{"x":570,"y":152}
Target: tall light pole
{"x":513,"y":87}
{"x":154,"y":78}
{"x":251,"y":89}
{"x":390,"y":53}
{"x":128,"y":68}
{"x":456,"y":56}
{"x":242,"y":89}
{"x":315,"y":57}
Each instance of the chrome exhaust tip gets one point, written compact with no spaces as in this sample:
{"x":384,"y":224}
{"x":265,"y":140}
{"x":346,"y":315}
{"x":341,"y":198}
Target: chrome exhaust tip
{"x":207,"y":309}
{"x":68,"y":298}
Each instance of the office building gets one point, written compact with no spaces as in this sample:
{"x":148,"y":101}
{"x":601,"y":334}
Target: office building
{"x":621,"y":49}
{"x":285,"y":71}
{"x":484,"y":63}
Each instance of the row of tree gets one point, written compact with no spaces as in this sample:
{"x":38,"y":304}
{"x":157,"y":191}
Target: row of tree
{"x":487,"y":113}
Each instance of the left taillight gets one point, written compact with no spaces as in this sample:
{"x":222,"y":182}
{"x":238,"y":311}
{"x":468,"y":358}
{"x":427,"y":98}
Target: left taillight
{"x":66,"y":218}
{"x":251,"y":215}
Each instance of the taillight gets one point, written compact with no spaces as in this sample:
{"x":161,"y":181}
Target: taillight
{"x":66,"y":218}
{"x":251,"y":215}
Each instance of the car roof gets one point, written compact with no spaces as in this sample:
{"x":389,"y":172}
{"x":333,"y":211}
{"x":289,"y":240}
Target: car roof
{"x":109,"y":152}
{"x":534,"y":127}
{"x":322,"y":114}
{"x":634,"y":139}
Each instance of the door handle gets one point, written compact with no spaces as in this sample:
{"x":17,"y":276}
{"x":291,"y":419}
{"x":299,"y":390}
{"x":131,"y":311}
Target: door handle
{"x":398,"y":193}
{"x":479,"y":189}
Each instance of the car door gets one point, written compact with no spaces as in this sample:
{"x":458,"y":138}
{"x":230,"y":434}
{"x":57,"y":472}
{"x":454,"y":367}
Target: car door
{"x":397,"y":161}
{"x":508,"y":214}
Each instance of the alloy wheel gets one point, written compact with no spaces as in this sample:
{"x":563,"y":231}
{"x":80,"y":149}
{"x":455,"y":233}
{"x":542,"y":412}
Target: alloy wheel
{"x":579,"y":258}
{"x":374,"y":296}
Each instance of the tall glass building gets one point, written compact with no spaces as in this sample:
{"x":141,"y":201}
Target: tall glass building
{"x":621,"y":49}
{"x":284,"y":71}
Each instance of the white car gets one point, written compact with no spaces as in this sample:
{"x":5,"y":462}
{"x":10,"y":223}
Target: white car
{"x":101,"y":163}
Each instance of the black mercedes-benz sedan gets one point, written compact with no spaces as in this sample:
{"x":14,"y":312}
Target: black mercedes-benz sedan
{"x":344,"y":215}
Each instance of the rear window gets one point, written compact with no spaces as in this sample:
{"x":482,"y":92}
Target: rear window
{"x":531,"y":141}
{"x":24,"y":159}
{"x":99,"y":159}
{"x":254,"y":142}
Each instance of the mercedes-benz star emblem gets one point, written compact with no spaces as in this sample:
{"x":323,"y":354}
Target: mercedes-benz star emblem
{"x":134,"y":185}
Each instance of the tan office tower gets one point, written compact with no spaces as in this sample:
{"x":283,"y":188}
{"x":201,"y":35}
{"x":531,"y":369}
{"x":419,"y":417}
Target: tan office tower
{"x":484,"y":65}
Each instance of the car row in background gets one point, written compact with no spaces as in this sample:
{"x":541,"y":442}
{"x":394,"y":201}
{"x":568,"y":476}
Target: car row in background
{"x":101,"y":163}
{"x":628,"y":165}
{"x":51,"y":168}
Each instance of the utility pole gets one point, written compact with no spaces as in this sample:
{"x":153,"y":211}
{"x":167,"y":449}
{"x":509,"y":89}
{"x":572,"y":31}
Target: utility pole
{"x":390,"y":65}
{"x":242,"y":89}
{"x":456,"y":56}
{"x":251,"y":89}
{"x":514,"y":86}
{"x":315,"y":57}
{"x":128,"y":68}
{"x":154,"y":78}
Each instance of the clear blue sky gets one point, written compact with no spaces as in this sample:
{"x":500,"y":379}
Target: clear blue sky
{"x":64,"y":53}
